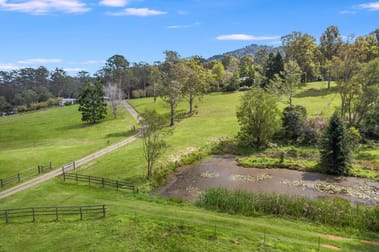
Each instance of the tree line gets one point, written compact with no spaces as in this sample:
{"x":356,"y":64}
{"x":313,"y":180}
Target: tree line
{"x":350,"y":62}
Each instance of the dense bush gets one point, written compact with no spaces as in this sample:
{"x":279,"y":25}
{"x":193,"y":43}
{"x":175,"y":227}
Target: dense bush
{"x":331,"y":211}
{"x":257,"y":117}
{"x":293,"y":121}
{"x":298,"y":129}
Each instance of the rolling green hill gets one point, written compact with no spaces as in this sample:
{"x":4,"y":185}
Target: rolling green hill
{"x":57,"y":135}
{"x":143,"y":222}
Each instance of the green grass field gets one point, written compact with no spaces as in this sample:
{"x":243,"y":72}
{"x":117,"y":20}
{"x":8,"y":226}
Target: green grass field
{"x":55,"y":135}
{"x":143,"y":222}
{"x":148,"y":223}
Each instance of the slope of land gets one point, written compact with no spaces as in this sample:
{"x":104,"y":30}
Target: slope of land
{"x":147,"y":223}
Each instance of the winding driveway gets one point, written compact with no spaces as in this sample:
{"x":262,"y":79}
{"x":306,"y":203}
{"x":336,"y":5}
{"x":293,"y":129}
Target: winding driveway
{"x":77,"y":163}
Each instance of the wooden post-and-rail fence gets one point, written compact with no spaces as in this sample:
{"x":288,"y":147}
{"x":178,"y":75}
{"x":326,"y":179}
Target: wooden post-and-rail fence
{"x":24,"y":175}
{"x":57,"y":211}
{"x":99,"y":181}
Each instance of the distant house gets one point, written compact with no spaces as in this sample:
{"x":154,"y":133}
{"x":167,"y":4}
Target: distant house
{"x":66,"y":101}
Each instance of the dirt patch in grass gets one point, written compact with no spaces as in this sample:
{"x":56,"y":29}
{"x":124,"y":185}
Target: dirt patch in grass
{"x":222,"y":171}
{"x":332,"y":237}
{"x":370,"y":242}
{"x":328,"y":246}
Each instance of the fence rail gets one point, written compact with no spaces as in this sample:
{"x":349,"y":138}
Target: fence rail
{"x":56,"y":211}
{"x":14,"y":179}
{"x":44,"y":168}
{"x":99,"y":180}
{"x":24,"y":175}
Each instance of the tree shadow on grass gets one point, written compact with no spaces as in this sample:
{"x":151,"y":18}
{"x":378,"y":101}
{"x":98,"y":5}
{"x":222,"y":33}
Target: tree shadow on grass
{"x":314,"y":92}
{"x":76,"y":126}
{"x":179,"y":115}
{"x":122,"y":134}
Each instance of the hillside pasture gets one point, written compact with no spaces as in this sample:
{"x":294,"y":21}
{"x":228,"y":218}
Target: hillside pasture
{"x":142,"y":222}
{"x":57,"y":135}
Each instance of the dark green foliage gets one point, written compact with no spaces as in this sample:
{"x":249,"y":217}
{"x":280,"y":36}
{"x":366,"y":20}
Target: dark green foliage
{"x":258,"y":117}
{"x":335,"y":148}
{"x":4,"y":105}
{"x":274,"y":66}
{"x":91,"y":103}
{"x":293,"y":121}
{"x":331,"y":211}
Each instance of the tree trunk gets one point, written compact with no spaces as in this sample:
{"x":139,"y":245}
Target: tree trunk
{"x":154,"y":94}
{"x":191,"y":104}
{"x":329,"y":77}
{"x":172,"y":112}
{"x":149,"y":173}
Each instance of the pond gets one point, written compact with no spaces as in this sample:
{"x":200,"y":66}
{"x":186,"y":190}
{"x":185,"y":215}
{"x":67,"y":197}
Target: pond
{"x":222,"y":171}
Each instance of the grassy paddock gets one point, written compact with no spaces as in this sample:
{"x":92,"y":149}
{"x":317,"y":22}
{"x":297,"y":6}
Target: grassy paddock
{"x":56,"y":135}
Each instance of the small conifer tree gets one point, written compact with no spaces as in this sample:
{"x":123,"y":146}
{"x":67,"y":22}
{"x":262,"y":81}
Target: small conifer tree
{"x":335,"y":148}
{"x":91,"y":103}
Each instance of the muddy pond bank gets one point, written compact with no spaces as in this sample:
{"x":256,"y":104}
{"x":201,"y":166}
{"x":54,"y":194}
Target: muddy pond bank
{"x":222,"y":171}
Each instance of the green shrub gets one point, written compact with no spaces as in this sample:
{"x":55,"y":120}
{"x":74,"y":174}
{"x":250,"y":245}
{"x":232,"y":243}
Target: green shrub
{"x":293,"y":121}
{"x":22,"y":109}
{"x":330,"y":211}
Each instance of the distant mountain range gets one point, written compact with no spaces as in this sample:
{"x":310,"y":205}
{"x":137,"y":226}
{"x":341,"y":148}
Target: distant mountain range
{"x":250,"y":49}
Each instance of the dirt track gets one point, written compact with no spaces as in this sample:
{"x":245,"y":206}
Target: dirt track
{"x":78,"y":163}
{"x":222,"y":171}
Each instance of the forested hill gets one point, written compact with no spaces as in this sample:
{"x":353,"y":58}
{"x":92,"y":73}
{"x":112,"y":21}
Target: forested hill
{"x":250,"y":49}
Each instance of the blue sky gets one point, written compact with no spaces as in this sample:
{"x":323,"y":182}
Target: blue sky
{"x":80,"y":35}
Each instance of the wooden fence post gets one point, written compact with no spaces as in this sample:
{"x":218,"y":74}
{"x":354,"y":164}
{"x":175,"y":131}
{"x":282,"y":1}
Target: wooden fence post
{"x":81,"y":214}
{"x":6,"y":216}
{"x":74,"y":165}
{"x":64,"y":176}
{"x":56,"y":214}
{"x":18,"y":177}
{"x":102,"y":181}
{"x":33,"y":214}
{"x":103,"y":210}
{"x":89,"y":180}
{"x":50,"y":166}
{"x":1,"y":183}
{"x":63,"y":169}
{"x":117,"y":184}
{"x":39,"y":170}
{"x":76,"y":177}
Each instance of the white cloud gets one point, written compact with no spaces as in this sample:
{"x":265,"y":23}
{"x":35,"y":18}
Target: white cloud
{"x":93,"y":62}
{"x":39,"y":61}
{"x":39,"y":7}
{"x":246,"y":37}
{"x":8,"y":67}
{"x":141,"y":12}
{"x":183,"y":26}
{"x":372,"y":6}
{"x":114,"y":3}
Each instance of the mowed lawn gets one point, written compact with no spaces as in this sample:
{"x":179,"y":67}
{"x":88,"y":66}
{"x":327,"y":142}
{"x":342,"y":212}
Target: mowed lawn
{"x":57,"y":135}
